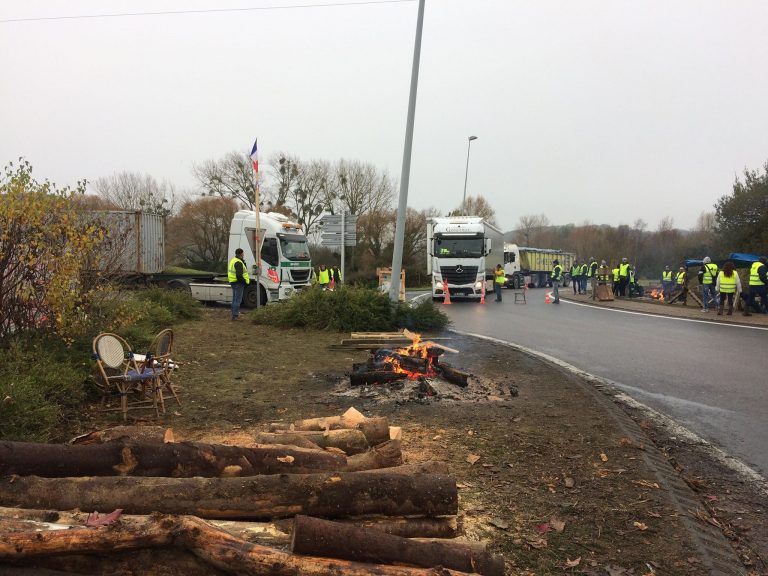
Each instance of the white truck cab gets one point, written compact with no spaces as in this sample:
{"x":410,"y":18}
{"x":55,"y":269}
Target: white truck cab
{"x":286,"y":264}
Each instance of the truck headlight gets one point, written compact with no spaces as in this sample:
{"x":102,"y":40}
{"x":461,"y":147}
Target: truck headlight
{"x":439,"y":285}
{"x":478,"y":285}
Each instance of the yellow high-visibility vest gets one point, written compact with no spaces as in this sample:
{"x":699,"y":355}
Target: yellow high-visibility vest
{"x":710,"y":273}
{"x":557,"y":272}
{"x":754,"y":277}
{"x":666,"y":276}
{"x":727,"y":285}
{"x":680,"y":278}
{"x":322,"y":276}
{"x":623,"y":270}
{"x":615,"y":274}
{"x":500,"y":276}
{"x":232,"y":274}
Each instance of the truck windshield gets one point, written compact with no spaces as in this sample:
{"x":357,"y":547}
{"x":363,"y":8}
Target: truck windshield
{"x":458,"y":247}
{"x":294,"y":247}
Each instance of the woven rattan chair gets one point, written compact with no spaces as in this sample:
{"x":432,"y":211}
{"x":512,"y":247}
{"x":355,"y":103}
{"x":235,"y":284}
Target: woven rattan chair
{"x":119,"y":373}
{"x":160,"y":354}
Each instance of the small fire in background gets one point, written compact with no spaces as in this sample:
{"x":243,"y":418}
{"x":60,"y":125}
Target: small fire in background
{"x":657,"y":294}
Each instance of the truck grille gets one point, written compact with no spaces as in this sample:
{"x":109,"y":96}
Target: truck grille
{"x":300,"y":276}
{"x":465,"y":274}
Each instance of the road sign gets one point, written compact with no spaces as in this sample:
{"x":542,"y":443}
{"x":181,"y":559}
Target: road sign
{"x":332,"y":226}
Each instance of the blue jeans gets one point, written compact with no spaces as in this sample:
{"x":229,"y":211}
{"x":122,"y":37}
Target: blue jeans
{"x":708,"y":293}
{"x":583,"y":284}
{"x":666,"y":289}
{"x":497,"y":291}
{"x":237,"y":297}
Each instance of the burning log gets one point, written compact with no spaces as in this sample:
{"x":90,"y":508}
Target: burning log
{"x":332,"y":495}
{"x":183,"y":459}
{"x":376,"y":377}
{"x":412,"y":363}
{"x":425,"y":388}
{"x":317,"y":537}
{"x":453,"y":375}
{"x":350,"y":441}
{"x":215,"y":546}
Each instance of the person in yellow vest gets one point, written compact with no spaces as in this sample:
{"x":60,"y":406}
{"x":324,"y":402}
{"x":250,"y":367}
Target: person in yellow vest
{"x":576,"y":276}
{"x":728,"y":284}
{"x":499,"y":279}
{"x":615,"y":276}
{"x":592,"y":276}
{"x":603,"y":277}
{"x":623,"y":277}
{"x":681,"y":283}
{"x":323,"y":277}
{"x":336,"y":273}
{"x":666,"y":283}
{"x":237,"y":274}
{"x":708,"y":279}
{"x":758,"y":286}
{"x":556,"y":277}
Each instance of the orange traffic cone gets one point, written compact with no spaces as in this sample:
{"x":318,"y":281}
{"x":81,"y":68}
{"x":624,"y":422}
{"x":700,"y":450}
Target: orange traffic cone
{"x":547,"y":299}
{"x":446,"y":293}
{"x":482,"y":294}
{"x":332,"y":284}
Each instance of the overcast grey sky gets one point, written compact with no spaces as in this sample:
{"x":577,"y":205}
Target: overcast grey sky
{"x":605,"y":111}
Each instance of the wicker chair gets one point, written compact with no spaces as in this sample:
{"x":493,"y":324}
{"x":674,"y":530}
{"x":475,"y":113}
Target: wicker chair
{"x":160,"y":351}
{"x":137,"y":387}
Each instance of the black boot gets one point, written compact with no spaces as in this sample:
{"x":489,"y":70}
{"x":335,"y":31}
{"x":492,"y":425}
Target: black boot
{"x":720,"y":309}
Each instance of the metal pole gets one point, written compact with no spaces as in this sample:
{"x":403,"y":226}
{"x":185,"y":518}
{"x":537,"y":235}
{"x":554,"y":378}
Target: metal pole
{"x":343,"y":212}
{"x":466,"y":173}
{"x":397,"y":254}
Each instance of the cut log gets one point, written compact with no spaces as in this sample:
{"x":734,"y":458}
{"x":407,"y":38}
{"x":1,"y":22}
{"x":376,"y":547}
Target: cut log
{"x":269,"y":533}
{"x":376,"y":430}
{"x":331,"y":495}
{"x":286,"y":438}
{"x":182,"y":459}
{"x":409,"y":527}
{"x":453,"y":375}
{"x":385,"y":455}
{"x":215,"y":546}
{"x":136,"y":433}
{"x":350,"y":441}
{"x":350,"y":419}
{"x":318,"y":537}
{"x":412,"y":364}
{"x":375,"y":377}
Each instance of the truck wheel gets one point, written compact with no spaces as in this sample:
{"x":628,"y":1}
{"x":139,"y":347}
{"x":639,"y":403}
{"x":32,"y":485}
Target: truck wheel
{"x":516,"y":282}
{"x":252,"y":292}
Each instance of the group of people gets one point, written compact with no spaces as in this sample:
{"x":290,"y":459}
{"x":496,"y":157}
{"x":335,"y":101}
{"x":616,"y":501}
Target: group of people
{"x":722,"y":286}
{"x":328,"y":276}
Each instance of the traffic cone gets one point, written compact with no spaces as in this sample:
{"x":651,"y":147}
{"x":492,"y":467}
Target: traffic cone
{"x":446,"y":293}
{"x":482,"y":293}
{"x":332,"y":284}
{"x":547,"y":299}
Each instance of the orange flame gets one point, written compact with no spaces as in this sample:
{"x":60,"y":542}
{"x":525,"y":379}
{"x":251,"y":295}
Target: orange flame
{"x":417,"y":349}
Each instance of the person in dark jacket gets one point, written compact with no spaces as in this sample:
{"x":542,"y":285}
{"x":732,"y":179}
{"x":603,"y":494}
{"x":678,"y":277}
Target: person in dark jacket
{"x":758,"y":286}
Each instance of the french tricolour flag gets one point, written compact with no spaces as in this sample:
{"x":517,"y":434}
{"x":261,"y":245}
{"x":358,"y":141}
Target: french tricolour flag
{"x":255,"y":156}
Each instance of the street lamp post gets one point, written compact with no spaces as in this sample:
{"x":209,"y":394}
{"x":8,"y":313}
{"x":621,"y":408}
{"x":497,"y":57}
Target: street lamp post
{"x":466,"y":173}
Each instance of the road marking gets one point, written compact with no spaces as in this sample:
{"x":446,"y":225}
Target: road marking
{"x":664,"y":421}
{"x":651,"y":315}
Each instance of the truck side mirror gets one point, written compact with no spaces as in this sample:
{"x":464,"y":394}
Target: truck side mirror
{"x":487,"y":246}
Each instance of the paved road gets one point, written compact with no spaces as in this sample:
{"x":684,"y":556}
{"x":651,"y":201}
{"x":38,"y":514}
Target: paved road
{"x":711,"y":378}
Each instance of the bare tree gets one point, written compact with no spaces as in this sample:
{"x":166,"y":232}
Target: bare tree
{"x":310,"y":197}
{"x":285,"y":172}
{"x":199,"y":233}
{"x":229,"y":177}
{"x":476,"y":206}
{"x":361,"y":188}
{"x":134,"y":191}
{"x":530,"y":226}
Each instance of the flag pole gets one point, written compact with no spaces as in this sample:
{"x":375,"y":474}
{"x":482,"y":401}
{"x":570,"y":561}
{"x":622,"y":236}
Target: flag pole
{"x":257,"y":239}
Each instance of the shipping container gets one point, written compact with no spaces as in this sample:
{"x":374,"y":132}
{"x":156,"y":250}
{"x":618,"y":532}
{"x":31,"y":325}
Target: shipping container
{"x":135,"y":241}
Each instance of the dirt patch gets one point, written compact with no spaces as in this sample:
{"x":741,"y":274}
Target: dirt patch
{"x":547,"y":475}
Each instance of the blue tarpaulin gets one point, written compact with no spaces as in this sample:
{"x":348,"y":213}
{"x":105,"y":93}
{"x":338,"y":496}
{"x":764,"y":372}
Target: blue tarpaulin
{"x":740,"y":259}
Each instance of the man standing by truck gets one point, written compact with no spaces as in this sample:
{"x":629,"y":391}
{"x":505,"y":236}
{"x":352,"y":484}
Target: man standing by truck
{"x":238,"y":280}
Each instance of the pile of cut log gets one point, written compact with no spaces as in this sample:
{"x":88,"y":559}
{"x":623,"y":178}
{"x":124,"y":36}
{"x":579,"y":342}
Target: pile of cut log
{"x":319,"y":496}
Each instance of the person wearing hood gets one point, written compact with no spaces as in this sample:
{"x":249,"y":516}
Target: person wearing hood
{"x":708,"y":281}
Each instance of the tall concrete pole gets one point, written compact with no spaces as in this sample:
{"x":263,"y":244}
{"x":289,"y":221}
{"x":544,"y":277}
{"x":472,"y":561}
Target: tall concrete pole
{"x":397,"y":254}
